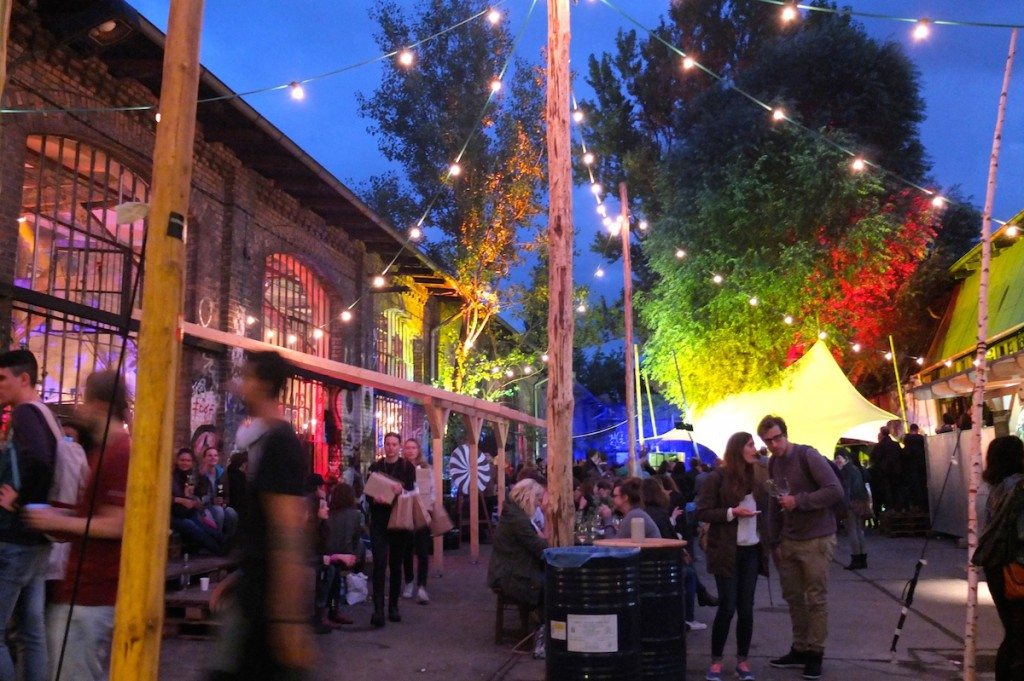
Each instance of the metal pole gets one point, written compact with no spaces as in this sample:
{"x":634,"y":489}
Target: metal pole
{"x":899,"y":383}
{"x":639,"y":396}
{"x":627,"y":305}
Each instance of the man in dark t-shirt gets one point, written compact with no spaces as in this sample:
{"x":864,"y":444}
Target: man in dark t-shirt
{"x":267,"y":633}
{"x":23,"y":550}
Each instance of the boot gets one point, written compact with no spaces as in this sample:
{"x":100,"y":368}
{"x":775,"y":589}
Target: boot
{"x":377,"y":619}
{"x":335,"y":615}
{"x":320,"y":623}
{"x":863,"y":561}
{"x":794,"y":659}
{"x":854,"y":562}
{"x":393,"y":613}
{"x":812,"y":668}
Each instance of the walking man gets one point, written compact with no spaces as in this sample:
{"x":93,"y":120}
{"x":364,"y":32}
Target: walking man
{"x":802,"y":535}
{"x":26,"y":475}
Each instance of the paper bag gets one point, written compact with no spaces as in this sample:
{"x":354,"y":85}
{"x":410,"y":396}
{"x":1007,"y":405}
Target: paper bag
{"x":420,"y":513}
{"x":402,"y":512}
{"x":440,"y":523}
{"x":380,"y":487}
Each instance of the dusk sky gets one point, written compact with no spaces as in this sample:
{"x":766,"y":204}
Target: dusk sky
{"x":261,"y":44}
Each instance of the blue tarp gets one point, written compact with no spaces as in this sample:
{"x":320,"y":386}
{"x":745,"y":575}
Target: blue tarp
{"x":576,"y":556}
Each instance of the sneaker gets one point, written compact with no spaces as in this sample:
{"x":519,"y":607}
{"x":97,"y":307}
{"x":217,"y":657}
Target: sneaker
{"x":743,"y":672}
{"x":714,"y":672}
{"x":409,"y":590}
{"x":812,"y":668}
{"x":696,"y":626}
{"x":794,"y":659}
{"x":421,"y":596}
{"x":540,"y":643}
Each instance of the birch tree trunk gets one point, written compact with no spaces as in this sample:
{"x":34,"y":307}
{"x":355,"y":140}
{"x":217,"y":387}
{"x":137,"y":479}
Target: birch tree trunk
{"x":970,"y":630}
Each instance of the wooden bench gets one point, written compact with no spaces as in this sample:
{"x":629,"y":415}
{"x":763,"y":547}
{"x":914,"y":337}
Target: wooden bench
{"x":187,"y":613}
{"x":184,"y":573}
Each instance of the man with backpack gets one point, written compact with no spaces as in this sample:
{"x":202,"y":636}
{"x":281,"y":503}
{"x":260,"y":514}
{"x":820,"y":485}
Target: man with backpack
{"x":802,"y":535}
{"x":27,"y":463}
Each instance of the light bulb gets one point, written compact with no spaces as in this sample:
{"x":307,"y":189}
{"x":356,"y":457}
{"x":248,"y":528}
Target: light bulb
{"x":753,"y":301}
{"x":601,"y":210}
{"x":469,"y":343}
{"x":688,"y":63}
{"x":822,"y":335}
{"x":1012,"y":230}
{"x":920,"y":361}
{"x":406,"y":58}
{"x":858,"y":165}
{"x":642,"y":225}
{"x":607,"y":222}
{"x":318,"y":334}
{"x":296,"y":91}
{"x":577,"y":115}
{"x":856,"y":347}
{"x":415,"y":233}
{"x":789,"y":14}
{"x":888,"y":356}
{"x":22,"y":220}
{"x":948,"y":363}
{"x":346,"y":315}
{"x":455,"y":170}
{"x":717,"y":279}
{"x":922,"y":29}
{"x":975,"y":362}
{"x":599,"y":272}
{"x":545,"y":357}
{"x":527,"y":370}
{"x":270,"y":334}
{"x":615,"y":228}
{"x":938,"y":201}
{"x":510,"y":373}
{"x":250,"y":320}
{"x":292,"y":338}
{"x":581,"y":308}
{"x":494,"y":16}
{"x":157,"y":116}
{"x":596,"y":189}
{"x":788,"y":320}
{"x":778,"y":115}
{"x":378,"y":281}
{"x":680,"y":253}
{"x":495,"y":370}
{"x":588,"y":159}
{"x":495,"y":85}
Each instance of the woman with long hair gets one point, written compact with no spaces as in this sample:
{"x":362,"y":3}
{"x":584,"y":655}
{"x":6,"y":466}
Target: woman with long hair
{"x":421,"y":541}
{"x":1001,"y":548}
{"x":733,"y":501}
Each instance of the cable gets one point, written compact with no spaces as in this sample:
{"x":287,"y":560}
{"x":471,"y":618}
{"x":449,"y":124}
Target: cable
{"x":873,"y":15}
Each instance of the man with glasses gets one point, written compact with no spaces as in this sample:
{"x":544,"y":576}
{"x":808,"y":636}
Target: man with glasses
{"x":626,"y":499}
{"x":802,"y":535}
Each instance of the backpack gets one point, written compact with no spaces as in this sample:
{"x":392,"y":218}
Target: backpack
{"x":70,"y":466}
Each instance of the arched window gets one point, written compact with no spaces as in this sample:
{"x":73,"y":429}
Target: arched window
{"x":296,"y":309}
{"x":75,"y":267}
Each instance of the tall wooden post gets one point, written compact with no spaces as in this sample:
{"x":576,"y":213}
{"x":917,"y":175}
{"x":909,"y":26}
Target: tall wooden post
{"x":474,"y":424}
{"x":5,"y":35}
{"x":561,"y":306}
{"x":627,"y":305}
{"x":501,"y":438}
{"x":978,"y":399}
{"x":437,"y":417}
{"x":138,"y":617}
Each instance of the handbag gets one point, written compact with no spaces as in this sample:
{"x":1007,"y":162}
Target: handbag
{"x":402,"y":512}
{"x":1013,"y":581}
{"x":440,"y":523}
{"x":863,"y":509}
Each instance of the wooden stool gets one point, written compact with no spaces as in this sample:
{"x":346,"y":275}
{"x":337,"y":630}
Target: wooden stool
{"x":500,"y":633}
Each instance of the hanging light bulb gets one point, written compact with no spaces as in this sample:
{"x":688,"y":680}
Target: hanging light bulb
{"x":577,"y":115}
{"x":601,"y":210}
{"x":415,"y":233}
{"x":510,"y":373}
{"x":406,"y":58}
{"x":789,"y":14}
{"x":938,"y":201}
{"x":778,"y":115}
{"x":607,"y":222}
{"x":527,"y":369}
{"x":717,"y":279}
{"x":494,"y":16}
{"x":292,"y":339}
{"x":296,"y":91}
{"x":250,"y":320}
{"x":581,"y":308}
{"x":753,"y":301}
{"x":1012,"y":230}
{"x":858,"y":164}
{"x":346,"y":315}
{"x":788,"y":320}
{"x":688,"y":63}
{"x":599,"y":272}
{"x":596,"y":189}
{"x":270,"y":334}
{"x":888,"y":356}
{"x":948,"y":363}
{"x":318,"y":334}
{"x":545,"y":357}
{"x":379,"y":281}
{"x":495,"y":370}
{"x":495,"y":85}
{"x":822,"y":335}
{"x":588,"y":159}
{"x":642,"y":225}
{"x":920,"y":361}
{"x":922,"y":29}
{"x":157,"y":117}
{"x":615,"y":227}
{"x":856,"y":347}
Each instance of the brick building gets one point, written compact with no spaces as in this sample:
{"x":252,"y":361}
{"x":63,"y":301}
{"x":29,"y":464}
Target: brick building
{"x":277,"y":248}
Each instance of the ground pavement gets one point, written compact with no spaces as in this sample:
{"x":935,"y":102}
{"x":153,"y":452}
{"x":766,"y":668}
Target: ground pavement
{"x":452,"y":638}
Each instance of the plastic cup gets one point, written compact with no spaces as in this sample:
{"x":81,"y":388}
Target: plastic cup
{"x":204,"y":583}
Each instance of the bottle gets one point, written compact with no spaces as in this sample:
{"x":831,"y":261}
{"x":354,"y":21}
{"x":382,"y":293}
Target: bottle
{"x":185,"y":577}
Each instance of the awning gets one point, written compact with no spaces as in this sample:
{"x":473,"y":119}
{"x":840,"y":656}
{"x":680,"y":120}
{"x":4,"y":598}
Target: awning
{"x":1004,"y":375}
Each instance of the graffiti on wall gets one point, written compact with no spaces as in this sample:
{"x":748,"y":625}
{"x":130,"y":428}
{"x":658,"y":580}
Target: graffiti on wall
{"x":205,"y":397}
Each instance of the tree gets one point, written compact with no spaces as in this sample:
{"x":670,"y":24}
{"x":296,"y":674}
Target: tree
{"x":429,"y":116}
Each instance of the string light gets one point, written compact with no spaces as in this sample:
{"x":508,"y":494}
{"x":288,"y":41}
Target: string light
{"x":688,"y":63}
{"x":596,"y":189}
{"x":856,"y":347}
{"x":318,"y":334}
{"x":292,"y":339}
{"x":157,"y":117}
{"x":948,"y":363}
{"x":494,"y":16}
{"x":22,"y":219}
{"x":581,"y":308}
{"x":717,"y":279}
{"x":296,"y":91}
{"x":642,"y":226}
{"x":599,"y":272}
{"x":822,"y":335}
{"x":415,"y":233}
{"x":406,"y":58}
{"x":495,"y":370}
{"x":455,"y":170}
{"x":789,"y":14}
{"x":938,"y":202}
{"x":495,"y":85}
{"x":250,"y":320}
{"x":858,"y":164}
{"x":922,"y":29}
{"x":601,"y":210}
{"x":379,"y":281}
{"x":545,"y":357}
{"x":510,"y":373}
{"x":270,"y":334}
{"x":778,"y":115}
{"x":788,"y":320}
{"x":527,"y":370}
{"x":1012,"y":230}
{"x":888,"y":356}
{"x":588,"y":159}
{"x":577,"y":115}
{"x":753,"y":301}
{"x":920,"y":361}
{"x":346,"y":315}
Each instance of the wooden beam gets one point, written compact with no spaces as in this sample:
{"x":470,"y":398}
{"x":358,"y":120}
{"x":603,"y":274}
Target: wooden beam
{"x":474,"y":424}
{"x":437,"y":418}
{"x":501,"y":437}
{"x":139,"y":613}
{"x":365,"y":377}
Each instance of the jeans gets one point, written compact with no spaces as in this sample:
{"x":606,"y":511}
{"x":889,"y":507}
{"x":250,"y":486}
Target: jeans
{"x":226,"y":519}
{"x":389,"y":547}
{"x":736,"y":596}
{"x":22,"y":598}
{"x":196,"y":535}
{"x":87,"y":654}
{"x":419,"y":550}
{"x":328,"y":585}
{"x":1010,"y":656}
{"x":803,"y":572}
{"x":855,"y":528}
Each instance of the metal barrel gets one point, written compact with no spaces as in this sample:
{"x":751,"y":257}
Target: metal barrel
{"x":662,"y":614}
{"x":592,"y":613}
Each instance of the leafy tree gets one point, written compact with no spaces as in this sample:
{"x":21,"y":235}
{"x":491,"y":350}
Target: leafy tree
{"x":423,"y":116}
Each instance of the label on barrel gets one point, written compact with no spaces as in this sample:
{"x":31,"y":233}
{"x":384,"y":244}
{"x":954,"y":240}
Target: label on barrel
{"x":557,"y":630}
{"x":593,"y":633}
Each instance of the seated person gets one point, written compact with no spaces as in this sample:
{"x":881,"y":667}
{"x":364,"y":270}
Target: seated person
{"x":215,"y":501}
{"x":626,"y":497}
{"x":188,"y":517}
{"x":343,"y":551}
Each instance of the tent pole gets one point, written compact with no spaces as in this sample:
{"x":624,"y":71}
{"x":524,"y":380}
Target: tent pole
{"x":899,"y":383}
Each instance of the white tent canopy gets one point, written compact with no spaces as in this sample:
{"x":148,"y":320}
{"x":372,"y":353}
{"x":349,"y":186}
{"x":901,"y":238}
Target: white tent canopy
{"x":818,"y":403}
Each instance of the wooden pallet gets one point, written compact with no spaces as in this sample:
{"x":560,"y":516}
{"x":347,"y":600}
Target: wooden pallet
{"x":188,"y":614}
{"x":904,"y":524}
{"x":214,"y":567}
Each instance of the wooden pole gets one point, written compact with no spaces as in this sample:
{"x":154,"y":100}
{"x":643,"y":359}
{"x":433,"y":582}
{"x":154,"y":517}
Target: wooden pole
{"x":138,"y":616}
{"x":638,"y":397}
{"x":561,"y":307}
{"x":437,"y":418}
{"x":899,"y":383}
{"x":5,"y":35}
{"x":978,"y":399}
{"x":474,"y":424}
{"x":627,"y":305}
{"x":501,"y":438}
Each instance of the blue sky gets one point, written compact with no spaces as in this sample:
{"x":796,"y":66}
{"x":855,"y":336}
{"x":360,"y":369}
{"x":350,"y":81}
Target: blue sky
{"x":260,"y":43}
